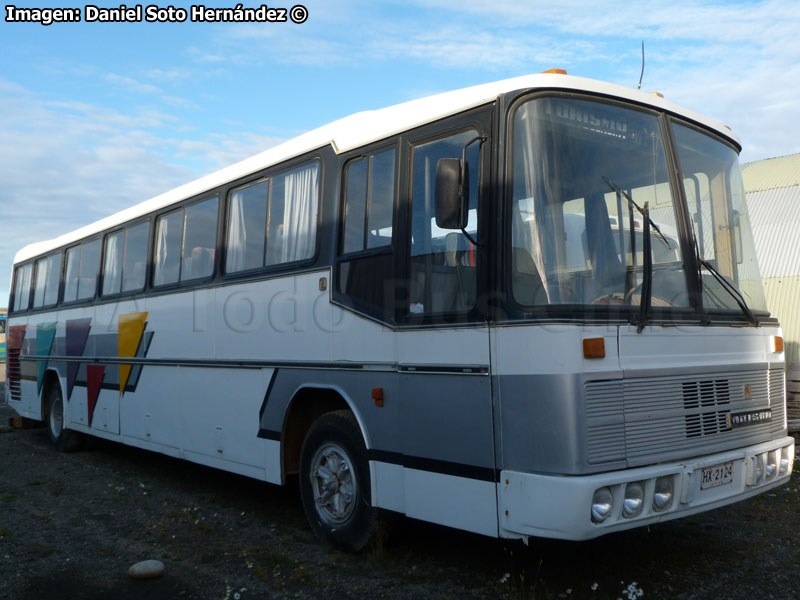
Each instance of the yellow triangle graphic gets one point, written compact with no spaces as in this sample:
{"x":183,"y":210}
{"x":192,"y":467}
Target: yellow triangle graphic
{"x":131,"y":327}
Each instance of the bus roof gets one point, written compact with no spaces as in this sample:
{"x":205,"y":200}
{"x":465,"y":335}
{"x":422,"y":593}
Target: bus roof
{"x":363,"y":128}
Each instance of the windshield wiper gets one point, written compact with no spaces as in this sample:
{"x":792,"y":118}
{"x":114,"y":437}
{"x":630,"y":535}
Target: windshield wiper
{"x":726,"y":285}
{"x":647,"y":268}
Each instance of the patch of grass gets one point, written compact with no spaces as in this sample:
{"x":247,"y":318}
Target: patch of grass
{"x":270,"y":564}
{"x":107,"y":552}
{"x":8,"y":498}
{"x":41,"y":549}
{"x":4,"y":532}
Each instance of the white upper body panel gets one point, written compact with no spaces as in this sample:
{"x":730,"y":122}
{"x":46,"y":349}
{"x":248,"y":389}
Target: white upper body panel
{"x":365,"y":127}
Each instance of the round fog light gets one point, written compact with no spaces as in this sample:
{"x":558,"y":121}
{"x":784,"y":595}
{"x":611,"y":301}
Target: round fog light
{"x":664,"y":491}
{"x":634,"y":500}
{"x":772,"y":464}
{"x":602,"y":502}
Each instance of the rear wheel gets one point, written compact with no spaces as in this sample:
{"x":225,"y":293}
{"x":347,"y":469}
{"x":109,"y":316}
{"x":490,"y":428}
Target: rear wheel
{"x":65,"y":440}
{"x":335,"y":484}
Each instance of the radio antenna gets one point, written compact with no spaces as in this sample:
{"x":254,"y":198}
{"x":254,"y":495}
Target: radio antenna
{"x":642,"y":73}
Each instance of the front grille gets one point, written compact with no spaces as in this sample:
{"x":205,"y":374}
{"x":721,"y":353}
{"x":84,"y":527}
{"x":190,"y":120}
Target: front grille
{"x":708,"y":400}
{"x":647,"y":419}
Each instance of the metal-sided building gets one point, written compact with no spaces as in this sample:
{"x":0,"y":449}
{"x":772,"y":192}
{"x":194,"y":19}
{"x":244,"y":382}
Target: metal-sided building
{"x":772,"y":187}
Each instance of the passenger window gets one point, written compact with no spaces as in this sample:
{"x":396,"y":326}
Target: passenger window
{"x":169,"y":235}
{"x":292,"y":219}
{"x":369,"y":208}
{"x":200,"y":240}
{"x":48,"y":277}
{"x":442,"y":277}
{"x":369,"y":193}
{"x":71,"y":275}
{"x":125,"y":260}
{"x":355,"y":206}
{"x":90,"y":260}
{"x":22,"y":287}
{"x":186,"y":240}
{"x":134,"y":269}
{"x":112,"y":263}
{"x":247,"y":224}
{"x":274,"y":221}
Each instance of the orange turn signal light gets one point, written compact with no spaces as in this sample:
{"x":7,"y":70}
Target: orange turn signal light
{"x":594,"y":348}
{"x":377,"y":396}
{"x":777,"y":343}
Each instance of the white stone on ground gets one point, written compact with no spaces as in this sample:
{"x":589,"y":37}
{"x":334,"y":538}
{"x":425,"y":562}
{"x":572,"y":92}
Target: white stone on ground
{"x":147,"y":569}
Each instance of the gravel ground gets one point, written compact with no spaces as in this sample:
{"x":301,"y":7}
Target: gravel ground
{"x":72,"y":524}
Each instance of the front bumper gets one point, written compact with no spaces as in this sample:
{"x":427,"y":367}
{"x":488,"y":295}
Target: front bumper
{"x":560,"y":507}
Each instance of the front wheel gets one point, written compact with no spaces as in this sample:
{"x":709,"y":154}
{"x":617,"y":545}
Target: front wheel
{"x":63,"y":439}
{"x":335,"y":484}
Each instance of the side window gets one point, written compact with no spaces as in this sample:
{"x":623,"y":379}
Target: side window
{"x":48,"y":277}
{"x":369,"y":202}
{"x":368,"y":207}
{"x":134,"y":267}
{"x":71,"y":275}
{"x":186,"y":241}
{"x":274,"y":221}
{"x":22,"y":287}
{"x":169,"y":236}
{"x":247,"y":224}
{"x":125,"y":260}
{"x":292,"y":218}
{"x":112,"y":263}
{"x":200,"y":240}
{"x":41,"y":281}
{"x":442,"y":262}
{"x":90,"y":260}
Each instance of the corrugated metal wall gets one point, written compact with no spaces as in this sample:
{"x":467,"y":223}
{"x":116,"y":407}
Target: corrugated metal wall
{"x":775,"y":217}
{"x":782,"y":299}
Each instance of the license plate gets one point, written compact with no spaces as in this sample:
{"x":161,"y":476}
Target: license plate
{"x":716,"y":476}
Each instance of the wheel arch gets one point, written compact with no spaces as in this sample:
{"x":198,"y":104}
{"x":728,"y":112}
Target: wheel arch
{"x":50,"y":378}
{"x":308,"y":403}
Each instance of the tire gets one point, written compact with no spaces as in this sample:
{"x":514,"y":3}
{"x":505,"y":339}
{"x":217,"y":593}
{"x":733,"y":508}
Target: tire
{"x":64,"y":439}
{"x":335,"y":483}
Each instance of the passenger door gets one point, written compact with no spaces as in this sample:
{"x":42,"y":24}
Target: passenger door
{"x":443,"y":351}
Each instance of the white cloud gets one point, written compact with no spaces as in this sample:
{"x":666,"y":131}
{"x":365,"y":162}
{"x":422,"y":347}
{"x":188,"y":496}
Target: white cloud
{"x":66,"y":164}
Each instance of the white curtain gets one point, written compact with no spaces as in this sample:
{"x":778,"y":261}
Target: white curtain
{"x":237,"y":234}
{"x":112,"y":273}
{"x":159,"y":277}
{"x":529,"y":148}
{"x":300,"y":213}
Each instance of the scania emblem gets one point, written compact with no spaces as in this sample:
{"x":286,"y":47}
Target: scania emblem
{"x":748,"y":391}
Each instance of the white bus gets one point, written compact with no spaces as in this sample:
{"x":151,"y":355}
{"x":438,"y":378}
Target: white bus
{"x":526,"y":308}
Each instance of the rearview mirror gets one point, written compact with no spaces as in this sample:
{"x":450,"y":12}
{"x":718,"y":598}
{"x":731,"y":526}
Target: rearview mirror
{"x":452,"y":193}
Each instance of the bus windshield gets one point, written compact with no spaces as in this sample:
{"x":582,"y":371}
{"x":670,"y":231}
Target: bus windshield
{"x":715,"y":198}
{"x":582,"y":172}
{"x":575,"y":238}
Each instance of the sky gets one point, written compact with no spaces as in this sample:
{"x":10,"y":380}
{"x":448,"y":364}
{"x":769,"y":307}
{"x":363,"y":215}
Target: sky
{"x":98,"y":116}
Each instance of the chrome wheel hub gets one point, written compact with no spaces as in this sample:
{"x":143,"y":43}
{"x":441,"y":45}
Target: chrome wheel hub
{"x":334,"y":484}
{"x":56,"y":418}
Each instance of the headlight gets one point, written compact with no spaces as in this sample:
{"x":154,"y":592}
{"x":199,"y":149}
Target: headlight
{"x":664,"y":492}
{"x":634,"y":499}
{"x":602,"y":502}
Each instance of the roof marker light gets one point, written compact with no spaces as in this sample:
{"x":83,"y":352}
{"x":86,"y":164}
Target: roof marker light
{"x":555,"y":72}
{"x":659,"y":94}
